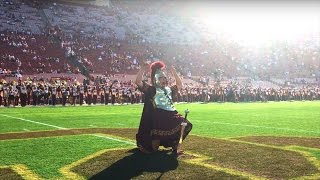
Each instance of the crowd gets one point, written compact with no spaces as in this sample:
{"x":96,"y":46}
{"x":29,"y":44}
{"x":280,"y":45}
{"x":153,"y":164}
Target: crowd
{"x":16,"y":15}
{"x":66,"y":92}
{"x":22,"y":53}
{"x":120,"y":38}
{"x":106,"y":91}
{"x":157,"y":31}
{"x":248,"y":94}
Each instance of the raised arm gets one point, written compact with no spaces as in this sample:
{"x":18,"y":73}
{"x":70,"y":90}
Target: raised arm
{"x":177,"y":77}
{"x":138,"y":81}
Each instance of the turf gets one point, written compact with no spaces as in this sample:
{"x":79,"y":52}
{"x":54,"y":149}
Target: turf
{"x":283,"y":141}
{"x":238,"y":140}
{"x":130,"y":164}
{"x":45,"y":156}
{"x":314,"y":152}
{"x":9,"y":174}
{"x":214,"y":120}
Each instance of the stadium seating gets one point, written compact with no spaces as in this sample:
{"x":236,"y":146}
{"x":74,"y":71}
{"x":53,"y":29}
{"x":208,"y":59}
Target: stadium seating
{"x":118,"y":39}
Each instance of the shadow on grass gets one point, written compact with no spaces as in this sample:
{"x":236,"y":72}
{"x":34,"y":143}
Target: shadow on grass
{"x":137,"y":163}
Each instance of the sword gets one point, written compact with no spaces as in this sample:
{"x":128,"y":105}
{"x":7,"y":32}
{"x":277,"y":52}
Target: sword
{"x":183,"y":124}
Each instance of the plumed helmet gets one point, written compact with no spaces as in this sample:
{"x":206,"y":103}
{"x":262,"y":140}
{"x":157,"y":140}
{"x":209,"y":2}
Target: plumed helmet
{"x":157,"y":72}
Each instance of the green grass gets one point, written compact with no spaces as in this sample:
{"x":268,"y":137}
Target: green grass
{"x":73,"y":117}
{"x":214,"y":120}
{"x":313,"y":152}
{"x":45,"y":156}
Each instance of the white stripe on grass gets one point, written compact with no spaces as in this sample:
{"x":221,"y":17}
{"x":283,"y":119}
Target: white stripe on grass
{"x":27,"y":120}
{"x":114,"y":139}
{"x":58,"y":127}
{"x":265,"y":127}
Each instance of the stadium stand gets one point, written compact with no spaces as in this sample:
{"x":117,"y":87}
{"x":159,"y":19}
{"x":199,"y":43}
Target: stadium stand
{"x":94,"y":46}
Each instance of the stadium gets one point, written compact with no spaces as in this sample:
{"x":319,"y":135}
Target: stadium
{"x":76,"y":78}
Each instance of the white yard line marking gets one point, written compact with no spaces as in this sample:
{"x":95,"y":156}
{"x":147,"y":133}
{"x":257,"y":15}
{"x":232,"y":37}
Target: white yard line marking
{"x":266,"y":127}
{"x":26,"y":129}
{"x":92,"y":125}
{"x":22,"y":119}
{"x":105,"y":137}
{"x":114,"y":139}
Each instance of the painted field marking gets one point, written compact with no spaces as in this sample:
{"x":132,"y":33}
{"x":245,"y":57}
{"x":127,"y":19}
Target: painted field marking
{"x":67,"y":170}
{"x":58,"y":127}
{"x":23,"y":171}
{"x":114,"y":139}
{"x":256,"y":126}
{"x":27,"y":120}
{"x":293,"y":148}
{"x":200,"y":160}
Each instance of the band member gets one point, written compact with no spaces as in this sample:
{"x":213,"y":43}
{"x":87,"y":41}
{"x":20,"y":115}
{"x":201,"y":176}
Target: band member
{"x":106,"y":91}
{"x":74,"y":91}
{"x":94,"y":95}
{"x":161,"y":124}
{"x":131,"y":95}
{"x":81,"y":94}
{"x":46,"y":95}
{"x":118,"y":96}
{"x":54,"y":95}
{"x":89,"y":95}
{"x":101,"y":94}
{"x":23,"y":94}
{"x":16,"y":96}
{"x":12,"y":93}
{"x":34,"y":94}
{"x":113,"y":95}
{"x":125,"y":96}
{"x":65,"y":95}
{"x":5,"y":93}
{"x":29,"y":92}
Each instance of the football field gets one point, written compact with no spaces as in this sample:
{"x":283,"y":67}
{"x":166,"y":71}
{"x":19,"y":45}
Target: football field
{"x":274,"y":140}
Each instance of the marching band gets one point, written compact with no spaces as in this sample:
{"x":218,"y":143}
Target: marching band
{"x":27,"y":93}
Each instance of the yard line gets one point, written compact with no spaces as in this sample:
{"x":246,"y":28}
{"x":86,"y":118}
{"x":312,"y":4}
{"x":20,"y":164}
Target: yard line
{"x":266,"y":127}
{"x":22,"y":119}
{"x":114,"y":139}
{"x":105,"y":137}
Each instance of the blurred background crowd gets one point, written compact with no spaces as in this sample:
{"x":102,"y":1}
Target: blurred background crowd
{"x":65,"y":52}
